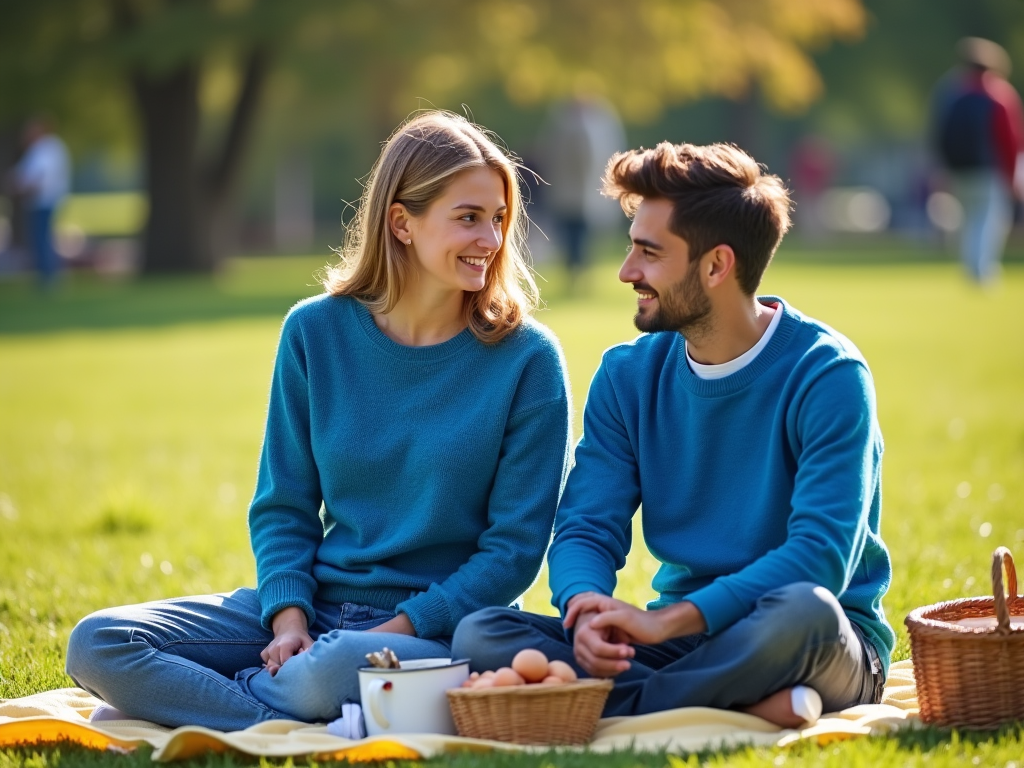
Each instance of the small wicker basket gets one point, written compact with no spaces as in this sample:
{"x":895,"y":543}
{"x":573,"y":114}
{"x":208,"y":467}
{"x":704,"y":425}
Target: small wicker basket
{"x":531,"y":714}
{"x":967,"y":676}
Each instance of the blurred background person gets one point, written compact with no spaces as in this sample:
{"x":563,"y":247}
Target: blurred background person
{"x":978,"y":133}
{"x":42,"y":178}
{"x":575,"y":142}
{"x":812,"y":168}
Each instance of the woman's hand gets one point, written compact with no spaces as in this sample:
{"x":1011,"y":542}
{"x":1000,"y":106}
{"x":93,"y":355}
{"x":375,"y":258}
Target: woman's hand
{"x":400,"y":625}
{"x":291,"y":637}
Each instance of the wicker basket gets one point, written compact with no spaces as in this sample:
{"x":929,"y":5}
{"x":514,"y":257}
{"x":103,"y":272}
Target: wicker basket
{"x":971,"y":676}
{"x":531,"y":714}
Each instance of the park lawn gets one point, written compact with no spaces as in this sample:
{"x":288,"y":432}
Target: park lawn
{"x":131,"y":416}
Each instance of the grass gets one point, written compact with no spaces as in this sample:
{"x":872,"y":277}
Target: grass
{"x":131,"y":416}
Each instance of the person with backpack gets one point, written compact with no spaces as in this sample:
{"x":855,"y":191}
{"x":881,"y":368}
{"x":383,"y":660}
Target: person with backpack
{"x":978,"y":135}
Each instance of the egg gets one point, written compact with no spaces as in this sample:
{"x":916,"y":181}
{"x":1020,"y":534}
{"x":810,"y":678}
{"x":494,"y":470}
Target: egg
{"x":482,"y":682}
{"x":488,"y":674}
{"x":562,"y":670}
{"x":531,"y":664}
{"x":507,"y":676}
{"x":474,"y":675}
{"x":553,"y":680}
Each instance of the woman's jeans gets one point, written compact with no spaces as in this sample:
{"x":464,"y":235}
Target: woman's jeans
{"x":796,"y":635}
{"x":196,"y":660}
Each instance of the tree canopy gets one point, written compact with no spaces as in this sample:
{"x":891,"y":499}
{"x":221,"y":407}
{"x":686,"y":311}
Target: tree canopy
{"x":184,"y":79}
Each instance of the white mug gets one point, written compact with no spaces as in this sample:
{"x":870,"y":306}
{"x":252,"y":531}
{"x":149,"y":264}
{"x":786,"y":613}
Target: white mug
{"x":411,"y":699}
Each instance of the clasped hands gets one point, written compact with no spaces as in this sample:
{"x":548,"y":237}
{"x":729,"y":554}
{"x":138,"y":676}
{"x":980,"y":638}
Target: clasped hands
{"x":606,"y":630}
{"x":291,"y":636}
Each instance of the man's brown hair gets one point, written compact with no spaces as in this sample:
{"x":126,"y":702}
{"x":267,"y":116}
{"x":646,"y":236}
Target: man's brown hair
{"x":719,"y":196}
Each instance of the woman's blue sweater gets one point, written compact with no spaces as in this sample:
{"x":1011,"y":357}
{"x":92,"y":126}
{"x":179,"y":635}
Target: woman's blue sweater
{"x":417,"y":479}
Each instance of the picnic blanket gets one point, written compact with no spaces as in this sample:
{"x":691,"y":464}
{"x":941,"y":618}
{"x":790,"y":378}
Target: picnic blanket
{"x":63,"y":715}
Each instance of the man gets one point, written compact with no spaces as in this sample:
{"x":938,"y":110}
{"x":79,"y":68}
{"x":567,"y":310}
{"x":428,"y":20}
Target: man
{"x":978,"y":132}
{"x":43,"y":177}
{"x":575,"y":141}
{"x":748,"y":433}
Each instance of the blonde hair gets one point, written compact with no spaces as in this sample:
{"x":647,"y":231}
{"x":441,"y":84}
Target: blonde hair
{"x":415,"y":167}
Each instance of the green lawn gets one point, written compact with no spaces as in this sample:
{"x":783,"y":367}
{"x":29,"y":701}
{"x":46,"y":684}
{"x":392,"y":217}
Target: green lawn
{"x":131,"y":415}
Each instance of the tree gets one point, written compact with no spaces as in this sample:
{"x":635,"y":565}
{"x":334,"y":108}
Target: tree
{"x":151,"y":56}
{"x":379,"y":55}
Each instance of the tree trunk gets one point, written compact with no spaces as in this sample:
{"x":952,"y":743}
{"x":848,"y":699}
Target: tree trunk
{"x":176,"y":238}
{"x":220,"y":179}
{"x":190,"y":217}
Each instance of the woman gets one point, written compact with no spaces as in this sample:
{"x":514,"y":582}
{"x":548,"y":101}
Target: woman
{"x":417,"y":440}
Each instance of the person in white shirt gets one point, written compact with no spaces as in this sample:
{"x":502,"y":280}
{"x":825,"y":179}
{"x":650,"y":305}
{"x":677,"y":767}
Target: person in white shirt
{"x":42,"y":176}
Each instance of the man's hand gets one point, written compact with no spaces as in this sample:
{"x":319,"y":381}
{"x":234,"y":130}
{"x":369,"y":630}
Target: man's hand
{"x":605,"y":626}
{"x":630,"y":624}
{"x":291,"y":637}
{"x":601,"y":652}
{"x":400,"y":625}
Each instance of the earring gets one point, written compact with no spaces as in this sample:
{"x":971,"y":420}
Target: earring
{"x":408,"y":242}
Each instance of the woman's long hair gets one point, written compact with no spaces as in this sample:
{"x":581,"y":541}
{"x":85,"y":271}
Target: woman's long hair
{"x":415,"y":167}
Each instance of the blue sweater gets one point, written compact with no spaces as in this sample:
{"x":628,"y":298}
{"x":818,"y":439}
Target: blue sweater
{"x":417,"y":479}
{"x":760,"y":479}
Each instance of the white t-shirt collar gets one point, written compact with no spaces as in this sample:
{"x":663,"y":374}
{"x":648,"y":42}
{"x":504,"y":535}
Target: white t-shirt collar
{"x":722,"y":370}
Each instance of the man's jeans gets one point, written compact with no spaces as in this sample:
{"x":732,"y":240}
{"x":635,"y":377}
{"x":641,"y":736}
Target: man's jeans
{"x":196,"y":660}
{"x":797,"y":635}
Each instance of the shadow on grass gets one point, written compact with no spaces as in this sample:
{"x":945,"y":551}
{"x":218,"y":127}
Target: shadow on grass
{"x":953,"y":746}
{"x":52,"y":755}
{"x":268,"y":286}
{"x":83,"y":302}
{"x":928,"y":738}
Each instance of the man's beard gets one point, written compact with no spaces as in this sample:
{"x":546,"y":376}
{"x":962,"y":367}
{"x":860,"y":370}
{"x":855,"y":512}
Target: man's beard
{"x":685,"y":308}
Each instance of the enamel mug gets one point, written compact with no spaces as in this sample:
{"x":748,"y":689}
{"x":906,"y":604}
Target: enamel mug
{"x":411,"y":699}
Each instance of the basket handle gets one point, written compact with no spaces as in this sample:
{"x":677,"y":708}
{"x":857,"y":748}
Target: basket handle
{"x":1002,"y":558}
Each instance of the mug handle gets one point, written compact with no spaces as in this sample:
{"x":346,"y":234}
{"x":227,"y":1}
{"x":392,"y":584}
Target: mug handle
{"x":373,"y":693}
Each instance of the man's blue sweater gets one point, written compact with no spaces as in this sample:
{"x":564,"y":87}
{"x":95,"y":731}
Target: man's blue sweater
{"x":417,"y":479}
{"x":763,"y":478}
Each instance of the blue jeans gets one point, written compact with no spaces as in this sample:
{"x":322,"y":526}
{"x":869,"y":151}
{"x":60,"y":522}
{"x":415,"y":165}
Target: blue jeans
{"x":196,"y":660}
{"x":47,"y":262}
{"x":796,"y":635}
{"x":988,"y":218}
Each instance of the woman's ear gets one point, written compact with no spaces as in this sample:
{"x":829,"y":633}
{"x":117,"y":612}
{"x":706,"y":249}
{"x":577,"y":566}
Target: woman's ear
{"x":400,"y":223}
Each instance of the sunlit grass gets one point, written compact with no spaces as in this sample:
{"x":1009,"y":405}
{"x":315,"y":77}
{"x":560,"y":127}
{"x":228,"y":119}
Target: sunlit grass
{"x":131,"y":415}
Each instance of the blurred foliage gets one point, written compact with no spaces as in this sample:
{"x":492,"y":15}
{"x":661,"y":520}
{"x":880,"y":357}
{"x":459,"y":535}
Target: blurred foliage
{"x":375,"y":58}
{"x":880,"y":88}
{"x":184,"y":79}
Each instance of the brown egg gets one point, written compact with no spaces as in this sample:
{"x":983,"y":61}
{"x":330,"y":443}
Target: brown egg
{"x":467,"y":684}
{"x":474,"y":675}
{"x":531,"y":664}
{"x":553,"y":680}
{"x":488,"y":674}
{"x":507,"y":676}
{"x":482,"y":682}
{"x":562,"y":670}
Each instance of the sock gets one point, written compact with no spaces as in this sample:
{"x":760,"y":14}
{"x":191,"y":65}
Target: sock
{"x":105,"y":712}
{"x":806,"y":703}
{"x":350,"y":725}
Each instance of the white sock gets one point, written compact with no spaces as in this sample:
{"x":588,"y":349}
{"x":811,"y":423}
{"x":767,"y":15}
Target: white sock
{"x":806,"y":703}
{"x":105,"y":712}
{"x":350,"y":725}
